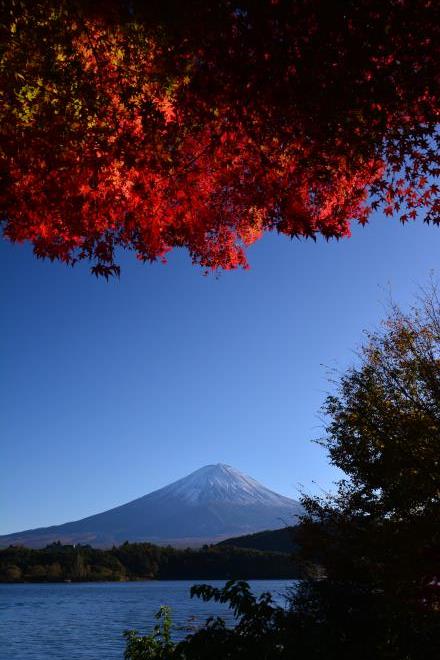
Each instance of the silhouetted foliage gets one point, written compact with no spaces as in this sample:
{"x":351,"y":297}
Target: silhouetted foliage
{"x":377,"y":541}
{"x":204,"y":124}
{"x":263,"y":630}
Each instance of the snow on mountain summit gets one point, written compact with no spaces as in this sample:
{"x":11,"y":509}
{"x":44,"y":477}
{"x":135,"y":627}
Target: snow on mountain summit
{"x":221,"y":483}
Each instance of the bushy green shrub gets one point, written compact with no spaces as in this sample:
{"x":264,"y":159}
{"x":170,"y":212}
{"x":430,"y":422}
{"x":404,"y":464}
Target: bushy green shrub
{"x":155,"y":646}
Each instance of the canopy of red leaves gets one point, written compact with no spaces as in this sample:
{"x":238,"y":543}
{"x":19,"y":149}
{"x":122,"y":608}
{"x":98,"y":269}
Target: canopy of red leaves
{"x":204,"y":124}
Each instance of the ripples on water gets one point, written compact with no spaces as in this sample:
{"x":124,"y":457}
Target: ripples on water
{"x":86,"y":621}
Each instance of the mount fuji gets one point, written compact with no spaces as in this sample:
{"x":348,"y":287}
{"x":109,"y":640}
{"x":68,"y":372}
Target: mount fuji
{"x":210,"y":504}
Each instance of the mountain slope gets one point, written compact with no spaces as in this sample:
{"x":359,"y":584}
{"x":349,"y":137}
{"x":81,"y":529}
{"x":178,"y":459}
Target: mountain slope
{"x":271,"y":540}
{"x":210,"y":504}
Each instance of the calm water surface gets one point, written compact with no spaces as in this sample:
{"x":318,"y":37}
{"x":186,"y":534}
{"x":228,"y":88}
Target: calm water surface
{"x":79,"y":621}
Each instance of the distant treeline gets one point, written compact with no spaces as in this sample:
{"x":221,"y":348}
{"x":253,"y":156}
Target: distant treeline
{"x":135,"y":561}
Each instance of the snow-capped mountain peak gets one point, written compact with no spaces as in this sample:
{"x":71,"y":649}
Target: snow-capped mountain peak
{"x":221,"y":483}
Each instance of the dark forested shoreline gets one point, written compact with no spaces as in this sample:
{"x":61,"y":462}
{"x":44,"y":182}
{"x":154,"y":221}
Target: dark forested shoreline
{"x":140,"y":561}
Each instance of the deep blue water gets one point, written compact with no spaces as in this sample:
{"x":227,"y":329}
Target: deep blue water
{"x":79,"y":621}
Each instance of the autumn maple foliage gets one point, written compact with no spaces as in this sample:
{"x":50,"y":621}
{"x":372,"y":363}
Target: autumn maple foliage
{"x":204,"y":124}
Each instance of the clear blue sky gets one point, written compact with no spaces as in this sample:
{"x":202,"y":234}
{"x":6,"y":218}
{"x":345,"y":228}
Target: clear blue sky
{"x":111,"y":390}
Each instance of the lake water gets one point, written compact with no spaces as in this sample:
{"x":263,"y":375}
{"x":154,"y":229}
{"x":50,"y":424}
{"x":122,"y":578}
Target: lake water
{"x":86,"y":621}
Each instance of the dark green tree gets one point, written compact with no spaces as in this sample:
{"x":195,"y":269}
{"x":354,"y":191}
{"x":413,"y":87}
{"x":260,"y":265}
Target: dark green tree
{"x":377,"y":541}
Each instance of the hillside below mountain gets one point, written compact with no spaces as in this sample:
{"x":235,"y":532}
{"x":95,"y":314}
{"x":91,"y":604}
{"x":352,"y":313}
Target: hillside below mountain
{"x":274,"y":540}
